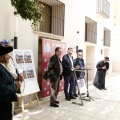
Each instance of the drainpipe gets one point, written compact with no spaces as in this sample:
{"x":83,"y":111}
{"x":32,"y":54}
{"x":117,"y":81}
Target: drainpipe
{"x":15,"y":30}
{"x":77,"y":42}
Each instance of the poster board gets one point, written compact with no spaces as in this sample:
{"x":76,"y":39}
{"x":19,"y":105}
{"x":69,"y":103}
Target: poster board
{"x":48,"y":49}
{"x":82,"y":85}
{"x":24,"y":61}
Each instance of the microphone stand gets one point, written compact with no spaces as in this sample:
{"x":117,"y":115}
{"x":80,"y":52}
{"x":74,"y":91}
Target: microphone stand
{"x":82,"y":98}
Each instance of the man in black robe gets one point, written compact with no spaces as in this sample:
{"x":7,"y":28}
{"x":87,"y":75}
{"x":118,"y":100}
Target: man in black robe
{"x":99,"y":80}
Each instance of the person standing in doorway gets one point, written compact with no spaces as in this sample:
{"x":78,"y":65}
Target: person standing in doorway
{"x":55,"y":75}
{"x":99,"y":80}
{"x":68,"y":74}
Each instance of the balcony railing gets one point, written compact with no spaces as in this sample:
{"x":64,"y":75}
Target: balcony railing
{"x":103,"y":8}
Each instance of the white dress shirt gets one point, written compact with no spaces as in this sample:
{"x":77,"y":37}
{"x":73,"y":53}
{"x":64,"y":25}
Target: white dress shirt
{"x":71,"y":60}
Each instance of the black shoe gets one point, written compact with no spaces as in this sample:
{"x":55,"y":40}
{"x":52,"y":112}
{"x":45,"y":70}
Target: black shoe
{"x":75,"y":95}
{"x":67,"y":98}
{"x":71,"y":97}
{"x":57,"y":102}
{"x":54,"y":105}
{"x":105,"y":88}
{"x":82,"y":93}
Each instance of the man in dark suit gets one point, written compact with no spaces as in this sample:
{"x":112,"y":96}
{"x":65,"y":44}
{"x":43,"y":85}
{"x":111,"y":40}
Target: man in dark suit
{"x":68,"y":74}
{"x":55,"y":75}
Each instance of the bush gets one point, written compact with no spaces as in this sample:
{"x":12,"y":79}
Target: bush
{"x":29,"y":9}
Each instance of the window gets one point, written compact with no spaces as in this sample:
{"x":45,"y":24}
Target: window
{"x":90,"y":30}
{"x":107,"y":37}
{"x":53,"y":17}
{"x":103,"y":8}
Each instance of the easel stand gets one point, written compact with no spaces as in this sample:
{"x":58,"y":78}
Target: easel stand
{"x":30,"y":102}
{"x":79,"y":93}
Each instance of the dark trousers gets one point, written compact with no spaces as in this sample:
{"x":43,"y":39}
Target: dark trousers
{"x":5,"y":111}
{"x":69,"y":80}
{"x":54,"y":91}
{"x":99,"y":80}
{"x":103,"y":80}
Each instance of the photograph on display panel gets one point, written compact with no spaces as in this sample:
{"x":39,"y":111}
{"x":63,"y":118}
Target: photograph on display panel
{"x":27,"y":57}
{"x":19,"y":57}
{"x":24,"y":60}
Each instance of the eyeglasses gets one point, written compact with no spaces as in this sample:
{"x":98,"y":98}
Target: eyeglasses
{"x":59,"y":51}
{"x":6,"y":45}
{"x":80,"y":55}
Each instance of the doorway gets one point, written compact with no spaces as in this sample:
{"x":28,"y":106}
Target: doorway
{"x":90,"y":61}
{"x":107,"y":53}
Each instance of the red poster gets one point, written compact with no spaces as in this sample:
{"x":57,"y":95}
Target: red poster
{"x":48,"y":49}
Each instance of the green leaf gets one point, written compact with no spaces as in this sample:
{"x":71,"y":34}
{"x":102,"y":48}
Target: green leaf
{"x":29,"y":10}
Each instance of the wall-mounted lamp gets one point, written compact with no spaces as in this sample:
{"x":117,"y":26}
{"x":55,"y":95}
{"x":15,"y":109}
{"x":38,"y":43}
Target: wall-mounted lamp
{"x":77,"y":43}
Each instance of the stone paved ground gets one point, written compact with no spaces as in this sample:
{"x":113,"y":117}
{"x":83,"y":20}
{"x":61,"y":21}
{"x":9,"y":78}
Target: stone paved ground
{"x":105,"y":107}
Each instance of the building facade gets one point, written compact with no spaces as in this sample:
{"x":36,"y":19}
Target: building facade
{"x":116,"y":37}
{"x":81,"y":24}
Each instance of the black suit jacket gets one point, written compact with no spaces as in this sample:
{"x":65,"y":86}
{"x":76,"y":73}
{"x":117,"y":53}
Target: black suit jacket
{"x":100,"y":64}
{"x":54,"y":68}
{"x":67,"y":65}
{"x":7,"y":86}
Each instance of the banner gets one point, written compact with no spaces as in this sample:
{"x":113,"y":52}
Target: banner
{"x":24,"y":61}
{"x":48,"y":49}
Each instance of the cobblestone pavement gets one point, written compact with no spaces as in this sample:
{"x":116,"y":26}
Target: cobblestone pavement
{"x":105,"y":107}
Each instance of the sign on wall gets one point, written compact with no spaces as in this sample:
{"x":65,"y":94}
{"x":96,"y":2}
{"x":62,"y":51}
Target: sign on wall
{"x":48,"y":49}
{"x":24,"y":61}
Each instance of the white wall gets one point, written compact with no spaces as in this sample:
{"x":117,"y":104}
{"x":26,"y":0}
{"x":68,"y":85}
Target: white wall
{"x":116,"y":51}
{"x":75,"y":12}
{"x":27,"y":39}
{"x":116,"y":38}
{"x":90,"y":11}
{"x":6,"y":20}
